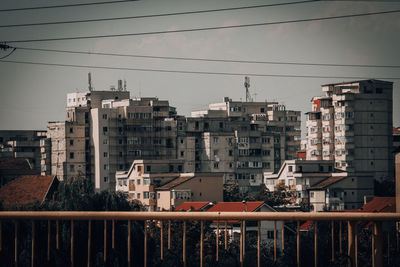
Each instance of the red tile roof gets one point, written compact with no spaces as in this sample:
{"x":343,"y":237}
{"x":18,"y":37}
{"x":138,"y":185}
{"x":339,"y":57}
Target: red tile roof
{"x":250,"y":206}
{"x":26,"y":190}
{"x":327,"y":182}
{"x":194,"y":206}
{"x":381,"y":204}
{"x":306,"y":226}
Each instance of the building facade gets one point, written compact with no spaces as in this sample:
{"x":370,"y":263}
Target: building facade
{"x":352,"y":125}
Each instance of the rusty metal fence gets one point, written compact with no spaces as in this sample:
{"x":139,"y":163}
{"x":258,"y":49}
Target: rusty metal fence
{"x":349,"y":220}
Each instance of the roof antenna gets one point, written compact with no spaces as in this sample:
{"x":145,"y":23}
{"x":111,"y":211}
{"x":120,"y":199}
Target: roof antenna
{"x":247,"y":85}
{"x":90,"y":82}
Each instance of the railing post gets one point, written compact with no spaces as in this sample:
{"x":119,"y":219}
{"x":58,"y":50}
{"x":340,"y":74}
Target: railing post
{"x":351,"y":228}
{"x":226,"y":235}
{"x":340,"y":238}
{"x":1,"y":235}
{"x":89,"y":241}
{"x":241,"y":244}
{"x":217,"y":242}
{"x":161,"y":240}
{"x":105,"y":241}
{"x":113,"y":235}
{"x":72,"y":243}
{"x":316,"y":244}
{"x":16,"y":243}
{"x":57,"y":235}
{"x":283,"y":235}
{"x":48,"y":239}
{"x":129,"y":243}
{"x":169,"y":234}
{"x":298,"y":243}
{"x":33,"y":244}
{"x":184,"y":244}
{"x":145,"y":244}
{"x":275,"y":242}
{"x":201,"y":243}
{"x":333,"y":240}
{"x":377,"y":253}
{"x":258,"y":243}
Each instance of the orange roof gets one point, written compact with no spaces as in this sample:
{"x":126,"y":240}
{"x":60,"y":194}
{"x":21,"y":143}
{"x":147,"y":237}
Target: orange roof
{"x":175,"y":182}
{"x":396,"y":131}
{"x":381,"y":204}
{"x":26,"y":189}
{"x":306,"y":226}
{"x":250,"y":206}
{"x":193,"y":206}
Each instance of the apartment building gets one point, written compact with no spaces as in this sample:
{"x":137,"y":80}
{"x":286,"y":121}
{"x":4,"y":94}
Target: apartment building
{"x":22,"y":144}
{"x":352,"y":125}
{"x":241,"y":139}
{"x":105,"y":131}
{"x":164,"y":184}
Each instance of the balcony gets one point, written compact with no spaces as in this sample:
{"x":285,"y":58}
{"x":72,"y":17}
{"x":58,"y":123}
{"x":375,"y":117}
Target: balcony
{"x":87,"y":238}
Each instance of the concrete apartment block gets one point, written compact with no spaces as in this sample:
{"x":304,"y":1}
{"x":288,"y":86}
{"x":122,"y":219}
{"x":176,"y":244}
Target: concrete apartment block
{"x":352,"y":125}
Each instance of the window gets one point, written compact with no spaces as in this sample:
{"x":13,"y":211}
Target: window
{"x":71,"y":142}
{"x":105,"y":141}
{"x":148,"y":168}
{"x":138,"y":195}
{"x":182,"y":153}
{"x":120,"y":141}
{"x":181,"y":140}
{"x":105,"y":116}
{"x":171,"y":168}
{"x":105,"y":166}
{"x":216,"y":165}
{"x":216,"y":152}
{"x":105,"y":179}
{"x":71,"y":155}
{"x":290,"y":168}
{"x":105,"y":154}
{"x":215,"y":140}
{"x":146,"y":195}
{"x":121,"y":166}
{"x":266,"y":152}
{"x":71,"y":130}
{"x":230,"y":153}
{"x":221,"y":125}
{"x":105,"y":130}
{"x":262,"y":110}
{"x":180,"y":168}
{"x":71,"y":167}
{"x":312,"y":194}
{"x":138,"y":182}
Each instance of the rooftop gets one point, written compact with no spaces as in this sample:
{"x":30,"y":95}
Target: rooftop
{"x":327,"y":182}
{"x":26,"y":190}
{"x":192,"y":206}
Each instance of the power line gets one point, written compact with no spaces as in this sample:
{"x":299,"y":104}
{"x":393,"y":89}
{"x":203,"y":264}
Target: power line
{"x":66,"y":5}
{"x":155,"y":15}
{"x":9,"y":54}
{"x":200,"y":29}
{"x":195,"y":72}
{"x":208,"y":59}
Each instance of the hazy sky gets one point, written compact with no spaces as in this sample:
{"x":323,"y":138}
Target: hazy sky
{"x":31,"y":95}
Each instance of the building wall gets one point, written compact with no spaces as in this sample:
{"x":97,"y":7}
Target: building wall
{"x":352,"y":124}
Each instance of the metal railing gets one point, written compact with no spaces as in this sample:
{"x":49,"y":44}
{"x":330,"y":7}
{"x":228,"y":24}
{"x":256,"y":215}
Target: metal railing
{"x":222,"y":218}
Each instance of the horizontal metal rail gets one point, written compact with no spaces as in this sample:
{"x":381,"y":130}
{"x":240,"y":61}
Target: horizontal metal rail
{"x":203,"y":216}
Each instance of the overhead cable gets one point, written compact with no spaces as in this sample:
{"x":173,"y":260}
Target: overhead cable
{"x":199,"y":29}
{"x":207,"y":59}
{"x":155,"y":15}
{"x":66,"y":5}
{"x":194,"y":72}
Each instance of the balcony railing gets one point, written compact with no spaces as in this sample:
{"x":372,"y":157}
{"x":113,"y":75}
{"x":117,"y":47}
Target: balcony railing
{"x":219,"y":218}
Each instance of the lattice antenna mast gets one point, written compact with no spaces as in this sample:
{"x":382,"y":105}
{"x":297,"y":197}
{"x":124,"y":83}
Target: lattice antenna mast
{"x":90,"y":82}
{"x":247,"y":85}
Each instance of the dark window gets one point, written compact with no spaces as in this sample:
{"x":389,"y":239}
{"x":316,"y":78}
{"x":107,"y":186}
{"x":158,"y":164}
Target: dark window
{"x":71,"y":155}
{"x":71,"y":142}
{"x":180,"y":168}
{"x":148,"y":168}
{"x":71,"y":130}
{"x":171,"y":168}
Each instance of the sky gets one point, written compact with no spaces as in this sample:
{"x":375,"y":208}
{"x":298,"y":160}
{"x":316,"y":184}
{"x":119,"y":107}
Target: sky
{"x":32,"y":95}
